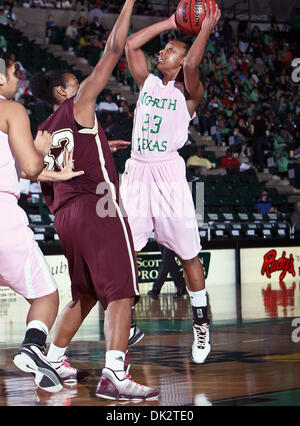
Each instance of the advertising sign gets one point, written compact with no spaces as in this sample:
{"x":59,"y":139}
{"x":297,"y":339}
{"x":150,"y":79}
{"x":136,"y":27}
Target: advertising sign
{"x":219,"y":270}
{"x":270,"y":282}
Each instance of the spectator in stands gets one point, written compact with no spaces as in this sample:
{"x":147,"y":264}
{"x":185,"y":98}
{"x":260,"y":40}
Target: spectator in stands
{"x":96,"y":26}
{"x":3,"y":44}
{"x":124,"y":108}
{"x":37,"y":3}
{"x":295,"y":220}
{"x":239,"y":139}
{"x":205,"y":122}
{"x":96,"y":11}
{"x":71,"y":36}
{"x":112,"y":128}
{"x":107,"y":105}
{"x":121,"y":71}
{"x":84,"y":45}
{"x":96,"y":42}
{"x":243,"y":158}
{"x":296,"y":154}
{"x":49,"y":28}
{"x":10,"y":15}
{"x":197,"y":164}
{"x":282,"y":163}
{"x":259,"y":143}
{"x":263,"y":204}
{"x":63,"y":4}
{"x":220,"y":134}
{"x":227,"y":34}
{"x":3,"y":19}
{"x":229,"y":162}
{"x":286,"y":57}
{"x":232,"y":164}
{"x":84,"y":6}
{"x":81,"y":25}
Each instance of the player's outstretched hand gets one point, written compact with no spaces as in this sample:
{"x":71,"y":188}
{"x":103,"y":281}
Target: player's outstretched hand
{"x":211,"y":18}
{"x":43,"y":142}
{"x":118,"y":144}
{"x":66,"y":170}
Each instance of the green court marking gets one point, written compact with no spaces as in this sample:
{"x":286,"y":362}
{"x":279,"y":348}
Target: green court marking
{"x":283,"y":398}
{"x":161,"y":326}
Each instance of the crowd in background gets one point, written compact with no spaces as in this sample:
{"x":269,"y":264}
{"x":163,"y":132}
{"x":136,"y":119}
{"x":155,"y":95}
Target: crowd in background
{"x":250,"y":98}
{"x":250,"y":102}
{"x":142,"y":7}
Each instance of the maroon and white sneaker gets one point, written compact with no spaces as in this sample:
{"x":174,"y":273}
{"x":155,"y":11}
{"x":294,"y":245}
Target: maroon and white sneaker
{"x":67,"y":373}
{"x":111,"y":387}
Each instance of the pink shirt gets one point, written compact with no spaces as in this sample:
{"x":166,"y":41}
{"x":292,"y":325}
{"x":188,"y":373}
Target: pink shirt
{"x":161,"y":120}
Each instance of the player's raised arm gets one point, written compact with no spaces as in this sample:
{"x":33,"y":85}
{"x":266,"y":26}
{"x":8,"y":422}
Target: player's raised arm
{"x":84,"y":102}
{"x":135,"y":57}
{"x":196,"y":52}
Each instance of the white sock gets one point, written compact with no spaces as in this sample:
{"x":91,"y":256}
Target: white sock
{"x":55,"y":353}
{"x":198,"y":298}
{"x":115,"y":361}
{"x":38,"y":325}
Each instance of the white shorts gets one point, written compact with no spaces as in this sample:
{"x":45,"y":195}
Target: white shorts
{"x":156,"y":196}
{"x":23,"y":266}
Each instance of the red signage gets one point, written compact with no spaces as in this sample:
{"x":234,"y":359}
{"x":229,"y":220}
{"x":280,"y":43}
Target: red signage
{"x":271,"y":264}
{"x":284,"y":297}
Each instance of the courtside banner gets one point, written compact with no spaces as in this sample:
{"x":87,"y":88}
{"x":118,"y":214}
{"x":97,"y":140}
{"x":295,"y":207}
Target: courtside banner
{"x":270,"y":282}
{"x":269,"y":264}
{"x":59,"y":268}
{"x":220,"y":276}
{"x":218,"y":265}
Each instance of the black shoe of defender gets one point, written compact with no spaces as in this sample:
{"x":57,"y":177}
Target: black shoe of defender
{"x":30,"y":359}
{"x":136,"y":334}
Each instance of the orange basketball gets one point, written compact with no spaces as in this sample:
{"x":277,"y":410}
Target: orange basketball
{"x":190,"y":15}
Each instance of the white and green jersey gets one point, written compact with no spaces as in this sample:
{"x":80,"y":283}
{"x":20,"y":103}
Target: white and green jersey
{"x":161,"y":120}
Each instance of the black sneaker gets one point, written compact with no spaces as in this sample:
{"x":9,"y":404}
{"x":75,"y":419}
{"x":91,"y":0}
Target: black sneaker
{"x":135,"y":335}
{"x":31,"y":359}
{"x":153,"y":294}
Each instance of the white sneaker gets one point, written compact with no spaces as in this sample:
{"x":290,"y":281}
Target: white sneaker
{"x":201,"y":345}
{"x":67,"y":373}
{"x":111,"y":387}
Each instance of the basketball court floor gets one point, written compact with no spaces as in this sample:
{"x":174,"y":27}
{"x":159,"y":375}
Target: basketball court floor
{"x":255,"y":358}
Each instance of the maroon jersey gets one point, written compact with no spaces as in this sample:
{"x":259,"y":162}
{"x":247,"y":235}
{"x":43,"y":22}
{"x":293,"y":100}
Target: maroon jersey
{"x":91,"y":154}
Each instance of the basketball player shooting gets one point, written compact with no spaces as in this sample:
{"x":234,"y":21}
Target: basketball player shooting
{"x":162,"y":116}
{"x":92,"y":243}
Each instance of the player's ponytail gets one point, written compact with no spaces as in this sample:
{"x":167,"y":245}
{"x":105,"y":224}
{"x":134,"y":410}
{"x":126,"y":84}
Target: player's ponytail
{"x":42,"y":85}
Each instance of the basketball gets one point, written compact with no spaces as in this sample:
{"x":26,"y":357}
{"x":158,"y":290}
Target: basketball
{"x":190,"y":15}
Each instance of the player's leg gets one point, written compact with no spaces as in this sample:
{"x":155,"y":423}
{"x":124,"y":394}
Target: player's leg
{"x":67,"y":325}
{"x":182,"y":236}
{"x":114,"y":382}
{"x":195,"y":281}
{"x":43,"y":310}
{"x":120,"y":292}
{"x":31,"y":357}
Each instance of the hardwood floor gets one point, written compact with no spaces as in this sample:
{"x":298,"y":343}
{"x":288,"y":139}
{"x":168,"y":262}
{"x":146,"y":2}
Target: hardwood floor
{"x":252,"y":362}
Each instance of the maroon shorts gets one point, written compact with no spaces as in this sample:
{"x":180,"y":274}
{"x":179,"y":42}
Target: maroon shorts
{"x":99,"y":251}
